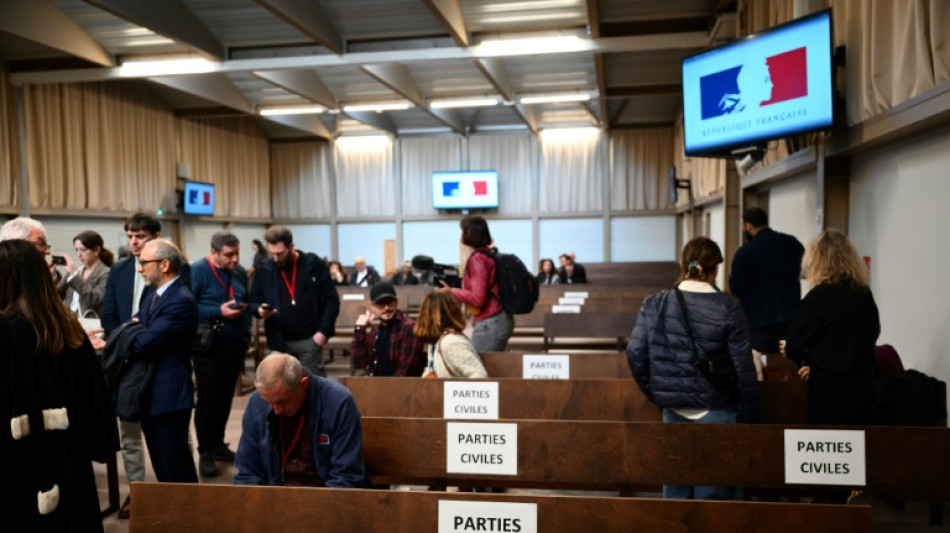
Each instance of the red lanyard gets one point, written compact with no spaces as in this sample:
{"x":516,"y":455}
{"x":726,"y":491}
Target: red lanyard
{"x":228,"y":287}
{"x":292,"y":284}
{"x":285,"y":454}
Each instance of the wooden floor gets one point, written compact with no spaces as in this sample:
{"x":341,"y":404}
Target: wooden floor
{"x":912,"y":517}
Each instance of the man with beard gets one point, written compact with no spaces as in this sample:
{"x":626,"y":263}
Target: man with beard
{"x":297,"y":300}
{"x":388,"y":348}
{"x":219,"y":284}
{"x":765,"y":277}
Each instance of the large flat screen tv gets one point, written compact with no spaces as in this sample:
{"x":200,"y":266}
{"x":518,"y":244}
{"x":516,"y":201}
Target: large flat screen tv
{"x":198,"y":198}
{"x":765,"y":86}
{"x":471,"y":189}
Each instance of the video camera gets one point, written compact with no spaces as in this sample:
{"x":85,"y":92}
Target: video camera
{"x":447,"y":273}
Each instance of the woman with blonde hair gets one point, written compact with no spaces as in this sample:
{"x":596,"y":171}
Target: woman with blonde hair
{"x":451,"y":354}
{"x":53,"y":397}
{"x":834,"y":332}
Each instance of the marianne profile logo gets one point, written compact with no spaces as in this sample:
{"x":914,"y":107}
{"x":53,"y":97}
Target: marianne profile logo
{"x":196,"y":197}
{"x":755,"y":84}
{"x":464,"y":188}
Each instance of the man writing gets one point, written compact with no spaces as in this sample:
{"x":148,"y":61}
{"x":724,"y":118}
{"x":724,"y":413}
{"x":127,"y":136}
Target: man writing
{"x":300,"y":430}
{"x":390,"y":348}
{"x":765,"y":277}
{"x":219,"y":284}
{"x":297,"y":300}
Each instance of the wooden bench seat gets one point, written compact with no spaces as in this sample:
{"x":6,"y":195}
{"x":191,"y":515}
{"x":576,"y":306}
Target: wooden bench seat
{"x":162,"y":507}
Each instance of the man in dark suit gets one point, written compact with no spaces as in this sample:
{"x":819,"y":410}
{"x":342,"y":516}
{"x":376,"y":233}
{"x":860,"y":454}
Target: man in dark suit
{"x":170,"y":316}
{"x":571,"y":272}
{"x":363,"y":276}
{"x":123,"y":296}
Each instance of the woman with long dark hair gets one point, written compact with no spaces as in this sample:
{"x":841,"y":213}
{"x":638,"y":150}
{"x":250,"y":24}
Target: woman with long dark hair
{"x":675,"y":328}
{"x":440,"y":324}
{"x":52,"y":393}
{"x":84,"y":288}
{"x":492,"y":325}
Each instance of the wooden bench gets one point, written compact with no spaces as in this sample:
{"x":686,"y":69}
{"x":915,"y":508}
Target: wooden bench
{"x":613,"y":328}
{"x":204,"y":508}
{"x":574,"y":399}
{"x":661,"y":274}
{"x":907,"y":463}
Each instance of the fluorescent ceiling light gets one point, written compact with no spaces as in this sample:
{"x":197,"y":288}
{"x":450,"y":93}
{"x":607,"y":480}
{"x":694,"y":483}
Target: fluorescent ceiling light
{"x":529,"y":18}
{"x":532,"y":45}
{"x":291,"y":110}
{"x":569,"y":134}
{"x":391,"y":106}
{"x":166,"y":67}
{"x":555,"y":98}
{"x":363,"y":142}
{"x":533,"y":5}
{"x":459,"y":102}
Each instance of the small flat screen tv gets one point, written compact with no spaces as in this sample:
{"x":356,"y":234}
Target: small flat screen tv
{"x":198,"y":198}
{"x":471,"y":189}
{"x":769,"y":85}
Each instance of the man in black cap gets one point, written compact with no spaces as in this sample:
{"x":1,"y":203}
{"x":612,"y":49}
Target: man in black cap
{"x":386,"y":348}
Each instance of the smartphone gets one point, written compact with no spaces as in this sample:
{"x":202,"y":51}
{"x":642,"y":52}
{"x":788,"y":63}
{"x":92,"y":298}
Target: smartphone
{"x":59,"y":260}
{"x":236,"y":305}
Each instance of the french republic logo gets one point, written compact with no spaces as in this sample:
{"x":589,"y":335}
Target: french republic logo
{"x":779,"y":78}
{"x":472,"y":188}
{"x":199,"y":197}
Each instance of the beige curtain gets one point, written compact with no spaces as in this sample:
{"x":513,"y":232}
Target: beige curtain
{"x":419,"y":157}
{"x":707,"y":176}
{"x":896,"y":50}
{"x":233,"y":154}
{"x":99,"y":146}
{"x":572,"y":172}
{"x":9,"y":145}
{"x":760,"y":15}
{"x":300,"y":173}
{"x":366,"y":178}
{"x":639,"y":163}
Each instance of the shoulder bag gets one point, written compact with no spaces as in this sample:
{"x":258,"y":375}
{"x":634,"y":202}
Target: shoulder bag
{"x":717,"y":366}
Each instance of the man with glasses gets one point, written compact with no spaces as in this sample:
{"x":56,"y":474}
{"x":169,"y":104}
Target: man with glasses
{"x":297,"y":300}
{"x":388,"y":348}
{"x":170,"y":316}
{"x":123,"y":297}
{"x":33,"y":232}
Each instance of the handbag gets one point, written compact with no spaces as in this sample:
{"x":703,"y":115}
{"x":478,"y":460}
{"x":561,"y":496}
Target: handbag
{"x":716,"y":366}
{"x":204,"y":337}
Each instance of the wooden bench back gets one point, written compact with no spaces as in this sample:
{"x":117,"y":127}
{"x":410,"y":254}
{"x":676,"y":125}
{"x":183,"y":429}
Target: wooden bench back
{"x":205,"y":508}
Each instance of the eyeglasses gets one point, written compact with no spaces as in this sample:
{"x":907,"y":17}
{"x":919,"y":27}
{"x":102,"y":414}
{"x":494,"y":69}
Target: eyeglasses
{"x":147,"y":261}
{"x":40,"y":245}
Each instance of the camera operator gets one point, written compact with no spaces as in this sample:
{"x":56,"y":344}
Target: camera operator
{"x":479,"y":292}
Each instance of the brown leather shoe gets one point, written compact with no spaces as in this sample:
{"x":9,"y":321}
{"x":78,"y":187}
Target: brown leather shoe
{"x":125,"y":508}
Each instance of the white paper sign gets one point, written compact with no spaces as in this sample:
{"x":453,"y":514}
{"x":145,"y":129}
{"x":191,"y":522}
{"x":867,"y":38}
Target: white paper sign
{"x":566,"y":309}
{"x":487,"y":516}
{"x":824,"y":457}
{"x":354,"y":296}
{"x":570,"y":301}
{"x":481,"y":448}
{"x":546,"y":367}
{"x":477,"y":400}
{"x":576,"y":294}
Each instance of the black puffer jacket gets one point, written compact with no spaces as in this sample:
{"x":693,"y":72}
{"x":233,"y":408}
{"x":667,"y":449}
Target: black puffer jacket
{"x":660,"y":358}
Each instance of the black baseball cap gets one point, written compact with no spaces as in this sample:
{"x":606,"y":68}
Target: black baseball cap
{"x":382,"y":291}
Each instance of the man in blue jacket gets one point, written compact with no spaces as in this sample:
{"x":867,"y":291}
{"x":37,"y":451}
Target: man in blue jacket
{"x":300,"y":430}
{"x":297,"y":300}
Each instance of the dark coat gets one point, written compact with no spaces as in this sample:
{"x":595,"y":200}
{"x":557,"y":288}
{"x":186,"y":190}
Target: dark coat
{"x":128,"y":377}
{"x":372,"y":277}
{"x":765,"y":277}
{"x":661,"y":360}
{"x":117,"y":303}
{"x":323,"y":295}
{"x":29,"y":383}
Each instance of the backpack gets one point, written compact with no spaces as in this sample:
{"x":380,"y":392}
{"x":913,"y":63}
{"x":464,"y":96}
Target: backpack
{"x":517,"y":287}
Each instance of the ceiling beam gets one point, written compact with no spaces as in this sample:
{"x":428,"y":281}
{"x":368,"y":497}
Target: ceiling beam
{"x":673,"y":41}
{"x":305,"y":83}
{"x":593,"y":22}
{"x":643,"y":90}
{"x":208,"y":112}
{"x":214,"y":87}
{"x":590,"y":112}
{"x":653,"y":26}
{"x":527,"y":116}
{"x":308,"y":17}
{"x":495,"y":72}
{"x":450,"y":117}
{"x":449,"y":14}
{"x":609,"y":121}
{"x":306,"y":123}
{"x":41,"y":22}
{"x":399,"y":79}
{"x":169,"y":18}
{"x":380,"y":121}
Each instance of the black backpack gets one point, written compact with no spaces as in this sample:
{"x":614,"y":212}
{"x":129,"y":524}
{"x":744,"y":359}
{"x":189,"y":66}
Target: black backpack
{"x":517,"y":287}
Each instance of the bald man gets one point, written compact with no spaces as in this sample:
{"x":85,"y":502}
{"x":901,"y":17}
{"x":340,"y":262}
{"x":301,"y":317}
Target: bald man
{"x":300,"y":430}
{"x":363,"y":276}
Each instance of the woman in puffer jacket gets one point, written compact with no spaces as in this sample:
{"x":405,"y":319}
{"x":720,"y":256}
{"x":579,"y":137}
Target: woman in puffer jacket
{"x":662,"y":359}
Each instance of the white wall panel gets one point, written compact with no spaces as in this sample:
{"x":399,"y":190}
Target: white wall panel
{"x":365,"y":240}
{"x":643,"y":238}
{"x":583,"y":236}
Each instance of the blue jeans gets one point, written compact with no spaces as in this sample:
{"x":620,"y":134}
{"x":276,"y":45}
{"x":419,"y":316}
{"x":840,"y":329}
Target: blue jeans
{"x":729,"y":415}
{"x":492,"y":334}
